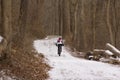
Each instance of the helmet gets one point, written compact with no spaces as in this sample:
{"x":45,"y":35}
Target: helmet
{"x":60,"y":38}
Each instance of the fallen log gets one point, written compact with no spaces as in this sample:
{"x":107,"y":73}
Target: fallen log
{"x":114,"y":50}
{"x":108,"y":52}
{"x":102,"y":53}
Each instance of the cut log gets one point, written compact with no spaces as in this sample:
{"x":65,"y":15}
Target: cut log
{"x":114,"y":50}
{"x":108,"y":52}
{"x":102,"y":53}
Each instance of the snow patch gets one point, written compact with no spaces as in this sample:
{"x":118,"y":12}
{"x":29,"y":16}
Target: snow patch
{"x":99,"y":50}
{"x":5,"y":77}
{"x":1,"y":38}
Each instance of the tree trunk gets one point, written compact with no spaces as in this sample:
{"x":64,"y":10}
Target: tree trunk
{"x":7,"y":26}
{"x":108,"y":23}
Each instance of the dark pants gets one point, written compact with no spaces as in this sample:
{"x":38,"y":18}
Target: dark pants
{"x":59,"y":49}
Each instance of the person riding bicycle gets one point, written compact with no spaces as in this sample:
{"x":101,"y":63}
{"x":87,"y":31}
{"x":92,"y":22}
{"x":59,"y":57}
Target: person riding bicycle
{"x":59,"y":44}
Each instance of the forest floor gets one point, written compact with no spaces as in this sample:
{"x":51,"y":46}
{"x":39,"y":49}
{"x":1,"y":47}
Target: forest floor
{"x":23,"y":65}
{"x":67,"y":67}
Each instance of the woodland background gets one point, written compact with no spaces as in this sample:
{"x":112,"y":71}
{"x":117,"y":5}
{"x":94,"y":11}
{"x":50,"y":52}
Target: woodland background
{"x":85,"y":24}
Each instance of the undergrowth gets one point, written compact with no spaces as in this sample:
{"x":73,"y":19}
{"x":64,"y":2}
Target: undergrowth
{"x":25,"y":65}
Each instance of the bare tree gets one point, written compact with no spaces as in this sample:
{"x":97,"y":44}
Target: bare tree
{"x":108,"y":23}
{"x":6,"y":25}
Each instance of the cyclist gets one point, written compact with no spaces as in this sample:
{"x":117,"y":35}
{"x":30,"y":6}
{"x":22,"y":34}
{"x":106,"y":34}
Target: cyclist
{"x":59,"y":44}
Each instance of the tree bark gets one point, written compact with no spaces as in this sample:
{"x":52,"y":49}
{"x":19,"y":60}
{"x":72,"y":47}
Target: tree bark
{"x":7,"y":26}
{"x":109,"y":24}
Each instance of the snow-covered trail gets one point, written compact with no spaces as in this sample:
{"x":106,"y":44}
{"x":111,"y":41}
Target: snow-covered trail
{"x":67,"y":67}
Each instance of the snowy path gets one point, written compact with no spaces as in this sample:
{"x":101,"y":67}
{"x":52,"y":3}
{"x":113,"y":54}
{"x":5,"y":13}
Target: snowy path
{"x":67,"y":67}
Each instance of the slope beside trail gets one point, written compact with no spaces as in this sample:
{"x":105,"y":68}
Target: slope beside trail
{"x":67,"y":67}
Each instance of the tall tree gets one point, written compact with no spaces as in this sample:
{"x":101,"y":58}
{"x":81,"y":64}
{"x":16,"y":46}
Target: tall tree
{"x":6,"y":25}
{"x":108,"y":23}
